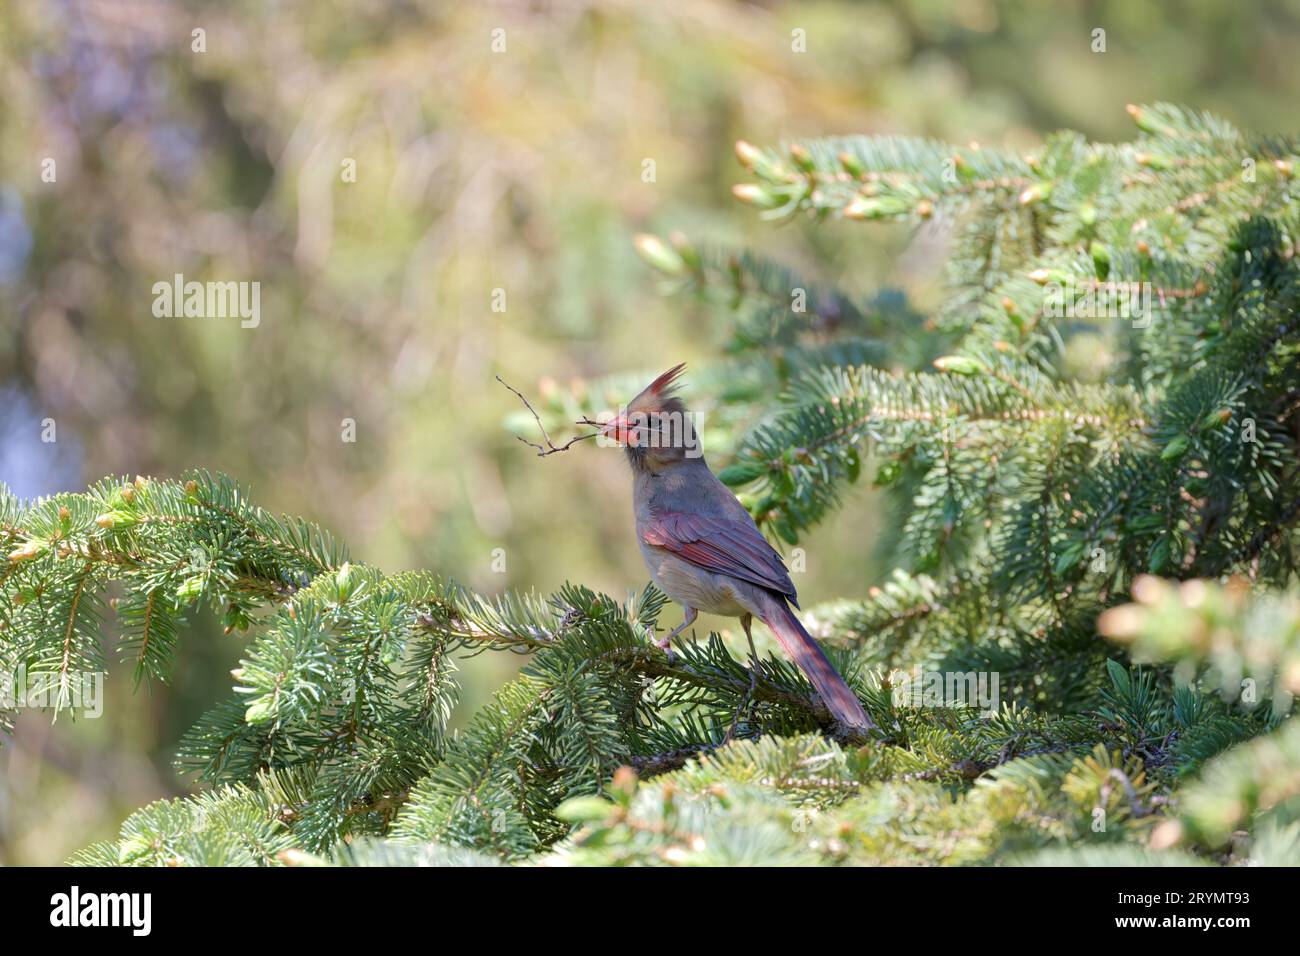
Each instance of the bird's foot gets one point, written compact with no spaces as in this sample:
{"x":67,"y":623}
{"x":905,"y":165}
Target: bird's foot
{"x":664,"y":643}
{"x":744,"y":701}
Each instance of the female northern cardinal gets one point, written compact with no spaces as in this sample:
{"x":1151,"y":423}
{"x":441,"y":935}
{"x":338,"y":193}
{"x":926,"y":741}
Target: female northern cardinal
{"x":702,"y":547}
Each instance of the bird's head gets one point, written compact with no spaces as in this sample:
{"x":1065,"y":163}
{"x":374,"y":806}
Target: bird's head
{"x":655,"y":428}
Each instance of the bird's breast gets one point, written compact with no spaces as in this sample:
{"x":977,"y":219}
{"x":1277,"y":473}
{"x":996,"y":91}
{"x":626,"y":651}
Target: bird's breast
{"x":693,"y":586}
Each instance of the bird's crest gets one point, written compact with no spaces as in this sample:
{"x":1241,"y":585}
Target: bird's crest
{"x":661,"y":394}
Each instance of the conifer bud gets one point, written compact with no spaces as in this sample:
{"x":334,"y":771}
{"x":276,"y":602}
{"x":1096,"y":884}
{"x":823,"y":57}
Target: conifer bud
{"x":1291,"y":678}
{"x":260,"y":711}
{"x":748,"y":154}
{"x":1100,"y":259}
{"x":862,"y":207}
{"x":959,"y":365}
{"x":1166,"y":835}
{"x":1176,"y":448}
{"x":1149,"y":589}
{"x":753,"y":159}
{"x":344,"y":580}
{"x":1143,"y":119}
{"x":1121,"y":623}
{"x":27,"y":550}
{"x":116,"y":520}
{"x":802,"y":158}
{"x":190,"y":589}
{"x":658,"y":254}
{"x":754,"y":195}
{"x":1157,"y":161}
{"x":192,"y":488}
{"x":852,"y":165}
{"x":624,"y":781}
{"x":1054,"y":276}
{"x":1035,"y":193}
{"x":1283,"y":167}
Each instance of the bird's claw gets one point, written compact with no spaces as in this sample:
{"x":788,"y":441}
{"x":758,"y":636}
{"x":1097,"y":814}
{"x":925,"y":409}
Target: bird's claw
{"x":740,"y":708}
{"x":664,"y":643}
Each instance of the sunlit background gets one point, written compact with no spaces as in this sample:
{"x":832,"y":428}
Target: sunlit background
{"x":525,"y":169}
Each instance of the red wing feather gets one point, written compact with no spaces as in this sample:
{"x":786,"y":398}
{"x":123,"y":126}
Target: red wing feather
{"x":723,"y":545}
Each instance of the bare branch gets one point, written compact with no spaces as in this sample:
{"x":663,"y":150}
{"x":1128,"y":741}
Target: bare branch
{"x":550,"y":448}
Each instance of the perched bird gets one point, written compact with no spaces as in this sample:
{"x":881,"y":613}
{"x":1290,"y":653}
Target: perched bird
{"x":701,"y":546}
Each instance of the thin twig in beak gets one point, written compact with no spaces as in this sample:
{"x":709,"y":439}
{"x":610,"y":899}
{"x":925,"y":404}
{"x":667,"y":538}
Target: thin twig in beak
{"x":551,"y":448}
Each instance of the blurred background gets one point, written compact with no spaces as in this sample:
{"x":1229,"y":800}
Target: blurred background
{"x":381,"y":169}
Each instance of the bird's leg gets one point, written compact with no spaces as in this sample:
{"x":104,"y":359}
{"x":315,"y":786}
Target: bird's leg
{"x":745,"y":621}
{"x":666,"y":641}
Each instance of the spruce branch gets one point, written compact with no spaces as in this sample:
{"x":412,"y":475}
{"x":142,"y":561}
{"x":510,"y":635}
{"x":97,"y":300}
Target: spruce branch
{"x":1040,"y":454}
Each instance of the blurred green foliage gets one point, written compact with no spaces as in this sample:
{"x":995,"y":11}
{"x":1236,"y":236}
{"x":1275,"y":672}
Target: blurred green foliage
{"x":522,"y":170}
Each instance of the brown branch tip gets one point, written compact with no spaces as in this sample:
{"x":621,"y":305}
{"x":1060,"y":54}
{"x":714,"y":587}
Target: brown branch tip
{"x":550,"y":448}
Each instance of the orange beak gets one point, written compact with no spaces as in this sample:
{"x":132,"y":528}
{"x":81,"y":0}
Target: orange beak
{"x":621,"y":430}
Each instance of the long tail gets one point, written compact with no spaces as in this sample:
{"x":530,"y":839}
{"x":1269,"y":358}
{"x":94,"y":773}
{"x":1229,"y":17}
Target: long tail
{"x":804,"y":651}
